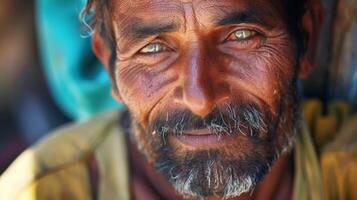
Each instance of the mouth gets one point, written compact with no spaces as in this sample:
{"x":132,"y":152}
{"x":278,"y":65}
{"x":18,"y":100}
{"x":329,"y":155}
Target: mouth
{"x":202,"y":139}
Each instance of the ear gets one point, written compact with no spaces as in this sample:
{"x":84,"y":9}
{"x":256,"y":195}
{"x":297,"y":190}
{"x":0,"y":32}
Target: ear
{"x":116,"y":95}
{"x":101,"y":50}
{"x":104,"y":53}
{"x":311,"y":26}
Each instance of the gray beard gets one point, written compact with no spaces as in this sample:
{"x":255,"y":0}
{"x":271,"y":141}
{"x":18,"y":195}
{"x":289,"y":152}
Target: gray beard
{"x":209,"y":173}
{"x":218,"y":181}
{"x":207,"y":176}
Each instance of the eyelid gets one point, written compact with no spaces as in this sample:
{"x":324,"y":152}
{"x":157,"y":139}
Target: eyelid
{"x":130,"y":49}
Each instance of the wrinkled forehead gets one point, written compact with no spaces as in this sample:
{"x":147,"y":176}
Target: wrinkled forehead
{"x":206,"y":11}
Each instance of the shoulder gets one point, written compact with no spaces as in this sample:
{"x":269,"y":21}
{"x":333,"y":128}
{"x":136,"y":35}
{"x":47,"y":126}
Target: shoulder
{"x":58,"y":160}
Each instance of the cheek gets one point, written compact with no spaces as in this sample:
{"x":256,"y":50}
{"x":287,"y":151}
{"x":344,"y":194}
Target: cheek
{"x":265,"y":73}
{"x":141,"y":87}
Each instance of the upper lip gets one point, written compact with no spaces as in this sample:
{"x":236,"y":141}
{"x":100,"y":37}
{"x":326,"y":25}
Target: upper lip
{"x":198,"y":132}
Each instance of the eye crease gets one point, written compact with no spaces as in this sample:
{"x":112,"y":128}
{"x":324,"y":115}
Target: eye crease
{"x":153,"y":48}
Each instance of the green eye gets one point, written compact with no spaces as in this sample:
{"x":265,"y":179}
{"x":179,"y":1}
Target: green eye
{"x":154,"y":48}
{"x":243,"y":34}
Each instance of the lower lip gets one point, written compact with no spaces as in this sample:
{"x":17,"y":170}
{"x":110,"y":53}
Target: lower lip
{"x":200,"y":140}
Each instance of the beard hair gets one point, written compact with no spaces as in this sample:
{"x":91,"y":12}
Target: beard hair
{"x":209,"y":172}
{"x":206,"y":173}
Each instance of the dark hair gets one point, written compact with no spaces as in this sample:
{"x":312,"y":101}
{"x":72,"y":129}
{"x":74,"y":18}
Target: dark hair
{"x":97,"y":14}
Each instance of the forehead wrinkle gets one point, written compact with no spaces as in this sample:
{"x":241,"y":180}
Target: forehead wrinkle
{"x":189,"y":15}
{"x":266,"y":11}
{"x":214,"y":8}
{"x":126,"y":6}
{"x":146,"y":10}
{"x":146,"y":14}
{"x":193,"y":22}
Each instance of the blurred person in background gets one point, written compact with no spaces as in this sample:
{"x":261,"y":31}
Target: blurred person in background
{"x":343,"y":63}
{"x":26,"y":108}
{"x":339,"y":122}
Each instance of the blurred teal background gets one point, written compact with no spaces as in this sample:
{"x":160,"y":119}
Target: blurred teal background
{"x":77,"y":80}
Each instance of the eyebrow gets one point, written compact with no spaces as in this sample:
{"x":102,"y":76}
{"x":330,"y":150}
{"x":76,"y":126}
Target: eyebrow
{"x":248,"y":16}
{"x":138,"y":30}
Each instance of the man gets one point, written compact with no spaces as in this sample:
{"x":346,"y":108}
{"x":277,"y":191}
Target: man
{"x":213,"y":106}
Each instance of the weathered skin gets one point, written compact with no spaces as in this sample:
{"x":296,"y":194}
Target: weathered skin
{"x":203,"y":65}
{"x":201,"y":70}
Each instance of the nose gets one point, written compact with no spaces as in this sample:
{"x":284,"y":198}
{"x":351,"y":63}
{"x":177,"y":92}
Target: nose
{"x":200,"y":90}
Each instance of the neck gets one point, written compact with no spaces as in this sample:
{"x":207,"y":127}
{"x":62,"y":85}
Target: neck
{"x":148,"y":184}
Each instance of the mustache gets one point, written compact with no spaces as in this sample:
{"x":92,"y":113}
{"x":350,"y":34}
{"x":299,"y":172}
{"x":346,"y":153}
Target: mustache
{"x":231,"y":118}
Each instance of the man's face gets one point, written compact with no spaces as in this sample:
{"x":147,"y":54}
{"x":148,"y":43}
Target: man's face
{"x":211,"y":87}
